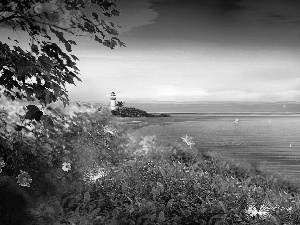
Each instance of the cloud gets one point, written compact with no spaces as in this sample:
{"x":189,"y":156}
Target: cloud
{"x":171,"y":93}
{"x":135,"y":13}
{"x":165,"y":93}
{"x":175,"y":91}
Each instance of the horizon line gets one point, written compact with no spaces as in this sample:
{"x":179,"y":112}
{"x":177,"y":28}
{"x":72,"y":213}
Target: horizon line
{"x":192,"y":102}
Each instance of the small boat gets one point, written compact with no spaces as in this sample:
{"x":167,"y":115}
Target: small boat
{"x":236,"y":120}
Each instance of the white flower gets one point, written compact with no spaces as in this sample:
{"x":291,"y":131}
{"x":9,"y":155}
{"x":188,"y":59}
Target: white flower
{"x":263,"y":212}
{"x":110,"y":129}
{"x":92,"y":175}
{"x":24,"y":179}
{"x":188,"y":140}
{"x":66,"y":166}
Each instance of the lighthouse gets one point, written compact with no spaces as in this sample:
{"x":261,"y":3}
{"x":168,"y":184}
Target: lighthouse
{"x":113,"y":101}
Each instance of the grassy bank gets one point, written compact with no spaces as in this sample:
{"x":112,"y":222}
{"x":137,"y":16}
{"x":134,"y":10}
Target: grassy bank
{"x":110,"y":176}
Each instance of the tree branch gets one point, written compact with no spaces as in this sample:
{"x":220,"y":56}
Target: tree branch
{"x":5,"y":19}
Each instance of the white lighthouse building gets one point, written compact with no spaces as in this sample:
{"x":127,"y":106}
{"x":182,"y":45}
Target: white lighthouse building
{"x":113,"y":101}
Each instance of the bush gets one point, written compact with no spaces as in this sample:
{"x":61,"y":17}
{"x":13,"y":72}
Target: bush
{"x":134,"y":112}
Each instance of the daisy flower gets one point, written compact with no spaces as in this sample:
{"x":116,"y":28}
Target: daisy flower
{"x":66,"y":166}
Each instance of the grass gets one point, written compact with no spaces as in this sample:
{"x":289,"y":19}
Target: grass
{"x":173,"y":185}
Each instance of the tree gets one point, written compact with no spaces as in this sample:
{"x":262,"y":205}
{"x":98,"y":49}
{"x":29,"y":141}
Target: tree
{"x":120,"y":104}
{"x":43,"y":72}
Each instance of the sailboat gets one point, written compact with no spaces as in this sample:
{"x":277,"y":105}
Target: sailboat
{"x":236,"y":120}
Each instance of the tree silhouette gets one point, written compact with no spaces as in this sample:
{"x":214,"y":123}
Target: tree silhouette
{"x":43,"y":72}
{"x":120,"y":104}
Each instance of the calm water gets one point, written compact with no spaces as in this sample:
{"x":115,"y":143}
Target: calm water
{"x":272,"y":141}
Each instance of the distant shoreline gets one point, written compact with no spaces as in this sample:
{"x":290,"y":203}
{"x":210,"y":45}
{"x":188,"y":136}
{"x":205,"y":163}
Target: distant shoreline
{"x":229,"y":113}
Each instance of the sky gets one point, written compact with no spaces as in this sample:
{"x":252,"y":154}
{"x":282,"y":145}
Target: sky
{"x":196,"y":50}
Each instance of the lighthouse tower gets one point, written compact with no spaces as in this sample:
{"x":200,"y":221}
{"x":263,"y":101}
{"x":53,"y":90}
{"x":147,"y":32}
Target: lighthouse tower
{"x":113,"y":101}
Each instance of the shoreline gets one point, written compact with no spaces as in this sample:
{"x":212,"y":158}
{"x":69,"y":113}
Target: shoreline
{"x":229,"y":113}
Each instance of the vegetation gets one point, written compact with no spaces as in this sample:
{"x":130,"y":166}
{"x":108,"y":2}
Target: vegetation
{"x":97,"y":172}
{"x":123,"y":111}
{"x":43,"y":72}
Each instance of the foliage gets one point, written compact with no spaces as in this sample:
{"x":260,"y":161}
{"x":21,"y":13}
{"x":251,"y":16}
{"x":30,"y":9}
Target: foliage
{"x":42,"y":73}
{"x":103,"y":174}
{"x":42,"y":147}
{"x":134,"y":112}
{"x":120,"y":104}
{"x":123,"y":111}
{"x":148,"y":192}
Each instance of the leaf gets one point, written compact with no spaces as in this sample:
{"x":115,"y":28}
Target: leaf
{"x":77,"y":213}
{"x":49,"y":96}
{"x":33,"y":113}
{"x":72,"y":42}
{"x":95,"y":15}
{"x":56,"y":88}
{"x":74,"y":57}
{"x":19,"y":128}
{"x":216,"y":219}
{"x":90,"y":28}
{"x":60,"y":36}
{"x":221,"y":205}
{"x":124,"y":188}
{"x":38,"y":115}
{"x":98,"y":39}
{"x":115,"y":12}
{"x":94,"y":212}
{"x":34,"y":48}
{"x":47,"y":121}
{"x":163,"y":173}
{"x":75,"y":68}
{"x":86,"y":197}
{"x":47,"y":147}
{"x":170,"y":203}
{"x":29,"y":92}
{"x":32,"y":108}
{"x":161,"y":216}
{"x":68,"y":46}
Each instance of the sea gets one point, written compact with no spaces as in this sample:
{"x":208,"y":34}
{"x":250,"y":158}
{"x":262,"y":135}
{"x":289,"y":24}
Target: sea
{"x":267,"y":135}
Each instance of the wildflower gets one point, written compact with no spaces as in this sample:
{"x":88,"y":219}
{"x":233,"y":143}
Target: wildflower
{"x":66,"y":166}
{"x":2,"y":163}
{"x":92,"y":175}
{"x":289,"y":209}
{"x":66,"y":126}
{"x":263,"y":212}
{"x":110,"y":129}
{"x":188,"y":140}
{"x":24,"y":179}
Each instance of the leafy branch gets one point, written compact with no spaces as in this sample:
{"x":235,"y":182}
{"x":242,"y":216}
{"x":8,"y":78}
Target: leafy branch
{"x":43,"y":73}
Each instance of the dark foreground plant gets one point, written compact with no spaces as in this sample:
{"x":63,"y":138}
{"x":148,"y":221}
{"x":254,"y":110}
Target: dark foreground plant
{"x":14,"y":203}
